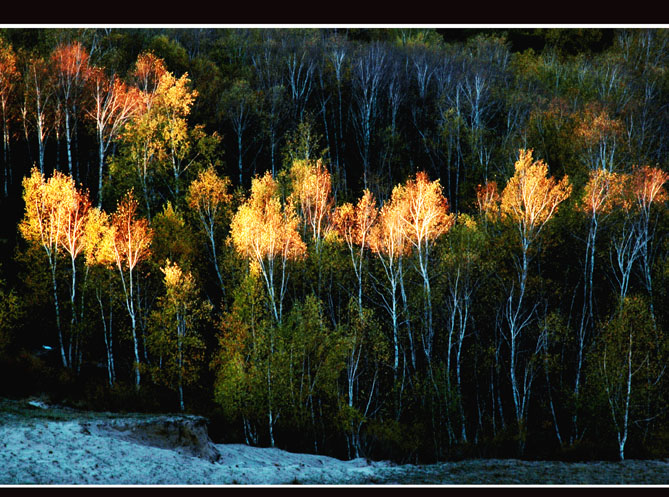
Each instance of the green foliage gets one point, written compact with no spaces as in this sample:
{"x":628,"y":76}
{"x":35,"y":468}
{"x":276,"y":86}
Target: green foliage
{"x":323,"y":375}
{"x":173,"y":238}
{"x":627,"y":368}
{"x":175,"y":331}
{"x":11,"y":313}
{"x":303,"y":143}
{"x":235,"y":363}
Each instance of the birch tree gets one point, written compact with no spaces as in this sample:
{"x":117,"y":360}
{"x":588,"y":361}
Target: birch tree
{"x":529,"y":201}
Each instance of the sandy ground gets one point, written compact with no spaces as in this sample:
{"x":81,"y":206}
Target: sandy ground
{"x":46,"y":446}
{"x":35,"y":449}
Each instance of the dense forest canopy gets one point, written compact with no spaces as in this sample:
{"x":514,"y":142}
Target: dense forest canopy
{"x":405,"y":243}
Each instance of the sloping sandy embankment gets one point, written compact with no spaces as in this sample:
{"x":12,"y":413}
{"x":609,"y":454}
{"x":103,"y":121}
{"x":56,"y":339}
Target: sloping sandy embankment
{"x":48,"y":447}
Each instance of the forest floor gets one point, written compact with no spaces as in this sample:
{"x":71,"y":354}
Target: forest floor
{"x":49,"y":445}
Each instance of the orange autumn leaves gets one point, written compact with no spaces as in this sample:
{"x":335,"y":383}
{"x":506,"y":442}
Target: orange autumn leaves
{"x":263,"y":229}
{"x":266,"y":228}
{"x":637,"y":190}
{"x":60,"y":216}
{"x":417,"y":213}
{"x":531,"y":197}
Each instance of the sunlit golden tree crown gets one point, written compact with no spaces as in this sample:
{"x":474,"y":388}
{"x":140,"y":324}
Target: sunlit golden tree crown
{"x":262,"y":229}
{"x":531,"y":197}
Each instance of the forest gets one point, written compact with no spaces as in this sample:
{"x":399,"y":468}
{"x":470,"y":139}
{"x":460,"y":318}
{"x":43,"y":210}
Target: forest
{"x":403,"y":243}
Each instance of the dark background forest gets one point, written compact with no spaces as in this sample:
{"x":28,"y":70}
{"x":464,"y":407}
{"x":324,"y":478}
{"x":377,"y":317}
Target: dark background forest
{"x":404,"y":243}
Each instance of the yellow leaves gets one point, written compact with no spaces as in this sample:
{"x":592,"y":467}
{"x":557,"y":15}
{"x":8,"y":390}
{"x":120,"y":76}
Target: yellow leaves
{"x":387,"y":236}
{"x":180,"y":285}
{"x":487,"y":198}
{"x":76,"y":215}
{"x":131,"y":237}
{"x":312,"y":190}
{"x":50,"y":205}
{"x":263,"y":229}
{"x":637,"y":190}
{"x":530,"y":197}
{"x":208,"y":192}
{"x":98,"y":239}
{"x":353,"y":223}
{"x":425,"y":214}
{"x":175,"y":95}
{"x":417,"y":213}
{"x":602,"y":189}
{"x":148,"y":71}
{"x":648,"y":185}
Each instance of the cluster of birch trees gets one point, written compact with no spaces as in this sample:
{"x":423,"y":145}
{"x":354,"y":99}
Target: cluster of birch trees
{"x":396,"y":247}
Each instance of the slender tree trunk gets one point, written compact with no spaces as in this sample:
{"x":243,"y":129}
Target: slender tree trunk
{"x":405,"y":304}
{"x":239,"y":160}
{"x":73,"y":319}
{"x":101,"y":156}
{"x":68,"y":141}
{"x":55,"y":299}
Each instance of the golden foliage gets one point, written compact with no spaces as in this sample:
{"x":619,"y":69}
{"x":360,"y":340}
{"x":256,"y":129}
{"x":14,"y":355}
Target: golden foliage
{"x":312,"y":189}
{"x":648,"y":185}
{"x":602,"y":189}
{"x":208,"y":193}
{"x":75,"y":219}
{"x":98,"y":239}
{"x":530,"y":197}
{"x":387,"y":236}
{"x":425,"y":214}
{"x":640,"y":189}
{"x":487,"y":198}
{"x":353,"y":223}
{"x":262,"y":229}
{"x":130,"y":236}
{"x":596,"y":125}
{"x":48,"y":206}
{"x":148,"y":71}
{"x":180,"y":286}
{"x":58,"y":215}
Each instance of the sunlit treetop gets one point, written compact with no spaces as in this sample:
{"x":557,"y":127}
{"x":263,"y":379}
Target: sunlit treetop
{"x":488,"y":200}
{"x":147,"y":74}
{"x":74,"y":221}
{"x":648,"y":186}
{"x":114,"y":102}
{"x":353,"y":223}
{"x":262,"y":229}
{"x":175,"y":94}
{"x":180,"y":285}
{"x":601,"y":190}
{"x":425,"y":214}
{"x":48,"y":203}
{"x":208,"y":193}
{"x":312,"y":193}
{"x":98,"y":239}
{"x":387,"y":235}
{"x":596,"y":125}
{"x":531,"y":197}
{"x":132,"y":236}
{"x":640,"y":189}
{"x":71,"y":63}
